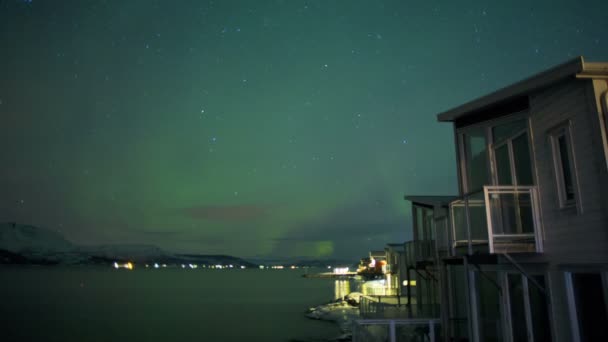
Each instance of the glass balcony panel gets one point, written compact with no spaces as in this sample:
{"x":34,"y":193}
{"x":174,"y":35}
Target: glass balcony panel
{"x":512,"y":219}
{"x":473,"y":230}
{"x":478,"y":220}
{"x":511,"y":213}
{"x":526,"y":216}
{"x":460,"y":221}
{"x":503,"y":213}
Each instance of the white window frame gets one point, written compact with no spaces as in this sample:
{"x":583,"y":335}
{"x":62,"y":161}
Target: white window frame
{"x":564,"y":130}
{"x":506,"y":304}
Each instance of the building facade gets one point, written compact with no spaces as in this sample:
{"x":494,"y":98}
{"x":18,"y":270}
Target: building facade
{"x":522,"y":252}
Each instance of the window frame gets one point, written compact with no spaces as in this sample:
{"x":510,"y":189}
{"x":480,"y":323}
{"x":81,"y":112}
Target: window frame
{"x":565,"y":130}
{"x":488,"y":127}
{"x":526,"y":285}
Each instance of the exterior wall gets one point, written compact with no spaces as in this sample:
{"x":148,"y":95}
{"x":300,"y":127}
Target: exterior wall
{"x":561,"y":329}
{"x":599,"y":105}
{"x":571,"y":235}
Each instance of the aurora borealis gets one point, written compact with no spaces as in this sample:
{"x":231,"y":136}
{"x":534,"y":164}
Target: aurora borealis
{"x":254,"y":128}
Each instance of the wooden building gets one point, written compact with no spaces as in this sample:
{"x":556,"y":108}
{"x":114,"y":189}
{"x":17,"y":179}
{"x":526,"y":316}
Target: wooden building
{"x":522,"y":253}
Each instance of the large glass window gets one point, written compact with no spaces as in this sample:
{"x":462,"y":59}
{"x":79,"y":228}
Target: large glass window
{"x":458,"y":317}
{"x":512,"y":154}
{"x":476,"y":159}
{"x":503,"y":165}
{"x":519,"y":328}
{"x":528,"y":308}
{"x":521,"y":157}
{"x":539,"y":311}
{"x":489,"y":307}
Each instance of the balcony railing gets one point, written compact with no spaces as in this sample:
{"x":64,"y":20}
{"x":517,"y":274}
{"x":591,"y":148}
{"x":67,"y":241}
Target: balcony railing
{"x":395,"y":330}
{"x":419,"y":251}
{"x":513,"y":219}
{"x":501,"y":219}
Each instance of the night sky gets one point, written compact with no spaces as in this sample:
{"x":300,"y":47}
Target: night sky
{"x":254,"y":128}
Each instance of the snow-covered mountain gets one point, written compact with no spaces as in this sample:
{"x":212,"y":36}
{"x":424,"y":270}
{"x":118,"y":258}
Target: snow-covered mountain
{"x":25,"y":239}
{"x":42,"y":245}
{"x":126,"y":252}
{"x":24,"y":244}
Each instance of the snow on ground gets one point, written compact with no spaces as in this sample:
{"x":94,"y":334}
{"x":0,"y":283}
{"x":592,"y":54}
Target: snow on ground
{"x":343,"y":311}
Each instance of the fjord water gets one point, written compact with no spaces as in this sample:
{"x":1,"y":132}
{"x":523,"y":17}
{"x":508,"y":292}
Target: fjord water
{"x":103,"y":304}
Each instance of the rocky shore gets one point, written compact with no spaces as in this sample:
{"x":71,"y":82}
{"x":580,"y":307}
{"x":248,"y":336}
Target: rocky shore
{"x":342,"y":311}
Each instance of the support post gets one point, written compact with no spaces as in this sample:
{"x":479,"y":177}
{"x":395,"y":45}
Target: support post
{"x":392,"y":332}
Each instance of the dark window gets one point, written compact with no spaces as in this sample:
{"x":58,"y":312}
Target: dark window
{"x":539,"y":311}
{"x":564,"y":166}
{"x":590,"y":306}
{"x":562,"y":143}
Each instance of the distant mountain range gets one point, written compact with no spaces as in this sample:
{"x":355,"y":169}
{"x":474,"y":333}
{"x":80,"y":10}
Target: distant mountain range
{"x":25,"y":244}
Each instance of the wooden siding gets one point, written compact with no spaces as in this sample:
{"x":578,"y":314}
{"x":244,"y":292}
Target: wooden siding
{"x":571,"y":235}
{"x":595,"y":94}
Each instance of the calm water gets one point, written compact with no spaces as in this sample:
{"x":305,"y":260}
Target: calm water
{"x":103,"y":304}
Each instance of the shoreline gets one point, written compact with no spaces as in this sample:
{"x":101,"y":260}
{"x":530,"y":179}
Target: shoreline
{"x":342,"y":311}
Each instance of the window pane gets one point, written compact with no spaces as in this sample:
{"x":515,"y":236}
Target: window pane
{"x":458,"y":309}
{"x":503,"y":165}
{"x":503,"y":213}
{"x":476,"y":159}
{"x":523,"y":166}
{"x":526,"y":219}
{"x":566,"y":171}
{"x":539,"y":311}
{"x":508,"y":130}
{"x":489,"y":307}
{"x":590,"y":306}
{"x":477,"y":212}
{"x":518,"y":312}
{"x":460,"y":223}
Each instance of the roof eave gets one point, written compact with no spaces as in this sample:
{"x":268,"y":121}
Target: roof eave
{"x":573,"y":67}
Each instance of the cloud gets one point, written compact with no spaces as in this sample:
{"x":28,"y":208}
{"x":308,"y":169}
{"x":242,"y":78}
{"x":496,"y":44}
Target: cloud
{"x":227,"y":213}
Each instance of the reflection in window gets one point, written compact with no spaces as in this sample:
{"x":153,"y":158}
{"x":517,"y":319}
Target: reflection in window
{"x":476,"y":160}
{"x":505,"y":131}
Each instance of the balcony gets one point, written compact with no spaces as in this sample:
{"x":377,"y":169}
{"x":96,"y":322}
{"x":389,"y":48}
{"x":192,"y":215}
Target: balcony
{"x":394,"y":330}
{"x":501,"y":219}
{"x":419,"y":252}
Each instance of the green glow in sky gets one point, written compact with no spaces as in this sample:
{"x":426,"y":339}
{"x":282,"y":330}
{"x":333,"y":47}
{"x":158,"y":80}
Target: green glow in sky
{"x":253,"y":128}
